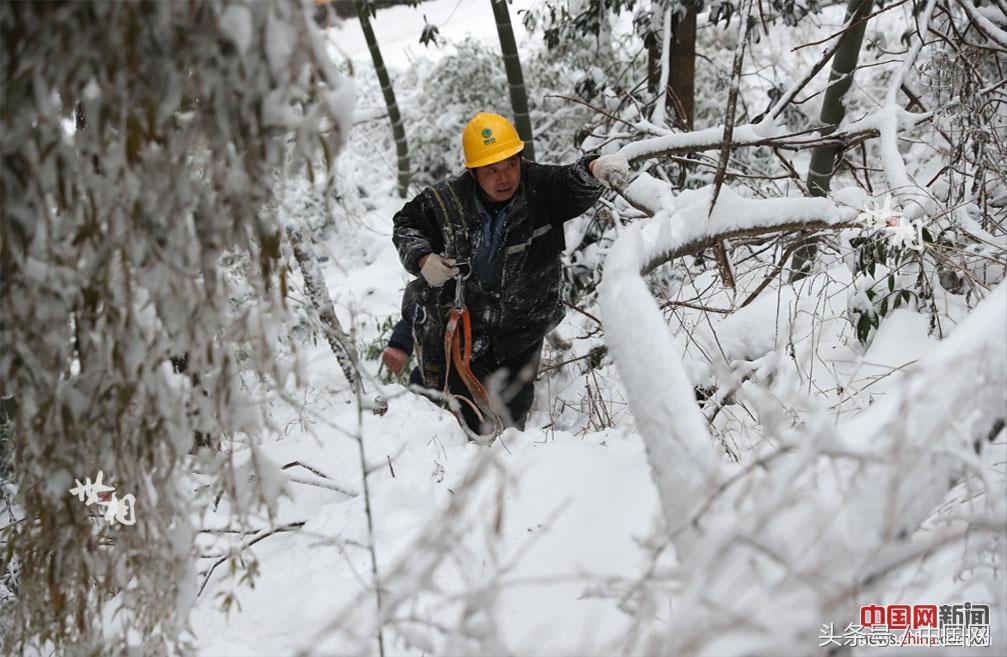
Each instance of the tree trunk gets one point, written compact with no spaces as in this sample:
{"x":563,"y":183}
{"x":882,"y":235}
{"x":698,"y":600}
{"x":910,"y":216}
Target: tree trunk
{"x":683,"y":65}
{"x":399,"y":132}
{"x":823,"y":158}
{"x":680,"y":98}
{"x":515,"y":79}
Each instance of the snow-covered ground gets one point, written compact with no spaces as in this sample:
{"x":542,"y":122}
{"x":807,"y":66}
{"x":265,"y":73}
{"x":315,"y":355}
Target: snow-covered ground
{"x":561,"y":517}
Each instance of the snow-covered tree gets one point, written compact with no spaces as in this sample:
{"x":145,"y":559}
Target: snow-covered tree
{"x":143,"y":291}
{"x":883,"y":474}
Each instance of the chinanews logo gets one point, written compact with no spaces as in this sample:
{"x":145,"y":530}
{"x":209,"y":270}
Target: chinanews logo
{"x":963,"y":625}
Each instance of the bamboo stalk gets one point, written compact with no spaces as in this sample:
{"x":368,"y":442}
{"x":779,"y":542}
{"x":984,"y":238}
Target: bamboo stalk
{"x":515,"y":79}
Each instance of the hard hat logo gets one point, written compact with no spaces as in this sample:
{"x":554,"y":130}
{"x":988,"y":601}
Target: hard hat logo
{"x":488,"y":139}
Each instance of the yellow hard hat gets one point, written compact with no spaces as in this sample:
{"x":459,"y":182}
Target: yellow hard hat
{"x":488,"y":139}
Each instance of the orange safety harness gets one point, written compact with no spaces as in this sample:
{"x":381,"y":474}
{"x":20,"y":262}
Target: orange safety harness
{"x":454,"y":350}
{"x":461,"y":355}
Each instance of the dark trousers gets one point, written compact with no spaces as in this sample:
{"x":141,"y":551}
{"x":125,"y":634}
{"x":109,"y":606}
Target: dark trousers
{"x":510,"y":383}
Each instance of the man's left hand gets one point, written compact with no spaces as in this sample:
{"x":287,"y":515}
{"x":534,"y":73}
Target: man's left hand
{"x":611,"y":170}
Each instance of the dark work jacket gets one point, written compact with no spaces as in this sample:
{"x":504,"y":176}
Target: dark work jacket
{"x":402,"y":337}
{"x":524,"y":303}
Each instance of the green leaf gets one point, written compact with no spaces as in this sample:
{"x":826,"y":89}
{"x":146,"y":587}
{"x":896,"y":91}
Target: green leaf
{"x":863,"y":328}
{"x":326,"y":152}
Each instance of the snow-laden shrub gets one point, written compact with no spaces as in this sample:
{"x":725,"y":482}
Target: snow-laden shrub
{"x":142,"y":293}
{"x":439,"y":98}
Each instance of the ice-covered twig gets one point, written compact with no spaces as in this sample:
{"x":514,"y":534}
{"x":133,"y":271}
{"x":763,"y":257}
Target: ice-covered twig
{"x":415,"y":570}
{"x":720,"y":248}
{"x":744,"y":26}
{"x":768,"y":133}
{"x":309,"y":468}
{"x":321,"y":483}
{"x":707,"y":139}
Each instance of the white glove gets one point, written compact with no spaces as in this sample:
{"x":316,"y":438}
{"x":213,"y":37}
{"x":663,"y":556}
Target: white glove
{"x":437,"y":270}
{"x":611,"y":170}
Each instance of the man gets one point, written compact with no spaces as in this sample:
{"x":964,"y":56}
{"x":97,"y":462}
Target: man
{"x":497,"y":231}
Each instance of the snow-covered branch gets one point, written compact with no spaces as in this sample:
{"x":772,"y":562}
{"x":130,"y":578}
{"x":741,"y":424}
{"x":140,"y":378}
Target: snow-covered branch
{"x":682,"y":457}
{"x":721,"y":529}
{"x":984,"y":24}
{"x":681,"y":224}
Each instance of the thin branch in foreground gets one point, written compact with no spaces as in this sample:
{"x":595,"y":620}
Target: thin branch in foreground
{"x":307,"y":467}
{"x":245,"y":545}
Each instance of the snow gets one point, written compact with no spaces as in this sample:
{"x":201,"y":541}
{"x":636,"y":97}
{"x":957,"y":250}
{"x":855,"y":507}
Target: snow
{"x":901,"y":341}
{"x":279,"y":44}
{"x":236,"y":22}
{"x":570,"y":508}
{"x":632,"y":516}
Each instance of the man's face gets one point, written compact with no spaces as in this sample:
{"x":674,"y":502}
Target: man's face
{"x":499,"y":181}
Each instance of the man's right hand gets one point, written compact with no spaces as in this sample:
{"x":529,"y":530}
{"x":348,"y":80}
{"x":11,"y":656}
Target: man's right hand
{"x":394,"y":359}
{"x":437,"y":270}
